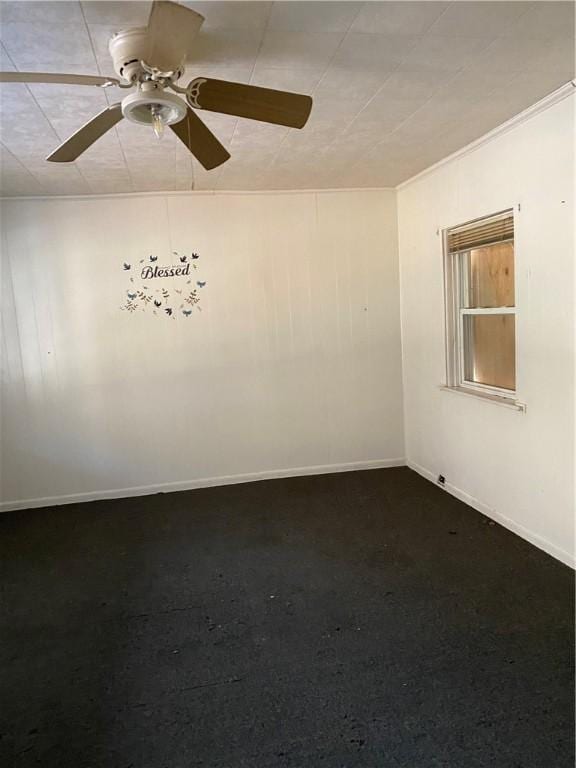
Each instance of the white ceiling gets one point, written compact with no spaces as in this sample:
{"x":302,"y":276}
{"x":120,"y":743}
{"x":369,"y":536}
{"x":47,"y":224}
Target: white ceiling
{"x":396,"y":87}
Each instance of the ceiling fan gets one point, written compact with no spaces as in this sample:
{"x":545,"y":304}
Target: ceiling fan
{"x":151,"y":60}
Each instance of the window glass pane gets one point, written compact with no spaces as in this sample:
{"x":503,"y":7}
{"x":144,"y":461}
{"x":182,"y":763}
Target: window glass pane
{"x":489,"y":344}
{"x":489,"y":276}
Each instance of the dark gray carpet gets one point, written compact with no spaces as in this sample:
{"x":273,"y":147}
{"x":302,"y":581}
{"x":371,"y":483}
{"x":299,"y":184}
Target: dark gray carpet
{"x":358,"y":620}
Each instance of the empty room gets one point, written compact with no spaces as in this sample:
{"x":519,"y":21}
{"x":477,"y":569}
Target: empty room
{"x":287,"y":468}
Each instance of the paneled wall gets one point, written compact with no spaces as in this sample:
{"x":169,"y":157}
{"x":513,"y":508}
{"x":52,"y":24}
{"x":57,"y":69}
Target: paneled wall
{"x":517,"y":467}
{"x":292,"y":365}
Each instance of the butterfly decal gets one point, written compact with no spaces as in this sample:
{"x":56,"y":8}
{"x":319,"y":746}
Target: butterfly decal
{"x":158,"y":298}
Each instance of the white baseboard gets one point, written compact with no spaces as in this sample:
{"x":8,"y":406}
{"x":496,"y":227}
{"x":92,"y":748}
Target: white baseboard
{"x":511,"y":525}
{"x":205,"y":482}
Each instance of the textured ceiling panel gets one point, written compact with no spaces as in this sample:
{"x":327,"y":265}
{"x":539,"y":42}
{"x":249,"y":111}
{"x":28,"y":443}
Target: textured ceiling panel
{"x":396,"y":87}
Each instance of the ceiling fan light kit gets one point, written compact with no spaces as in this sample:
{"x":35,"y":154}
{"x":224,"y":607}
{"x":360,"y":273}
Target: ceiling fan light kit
{"x":152,"y":59}
{"x":153,"y":106}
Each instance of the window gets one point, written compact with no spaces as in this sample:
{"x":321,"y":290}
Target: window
{"x":481,"y":307}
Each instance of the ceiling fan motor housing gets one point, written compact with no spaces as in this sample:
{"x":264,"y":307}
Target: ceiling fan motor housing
{"x":132,"y":47}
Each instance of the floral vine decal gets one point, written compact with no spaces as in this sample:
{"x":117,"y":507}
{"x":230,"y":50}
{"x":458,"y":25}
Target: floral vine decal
{"x":160,"y":300}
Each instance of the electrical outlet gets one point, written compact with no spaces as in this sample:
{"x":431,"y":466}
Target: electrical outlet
{"x":441,"y":480}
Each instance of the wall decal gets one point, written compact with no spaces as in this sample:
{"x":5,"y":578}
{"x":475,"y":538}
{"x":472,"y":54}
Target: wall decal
{"x":148,"y":290}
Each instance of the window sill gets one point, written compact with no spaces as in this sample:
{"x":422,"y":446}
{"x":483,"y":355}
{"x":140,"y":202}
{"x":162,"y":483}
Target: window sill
{"x":505,"y":402}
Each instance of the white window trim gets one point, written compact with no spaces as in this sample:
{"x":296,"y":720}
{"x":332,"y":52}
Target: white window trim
{"x":505,"y":402}
{"x":454,"y":324}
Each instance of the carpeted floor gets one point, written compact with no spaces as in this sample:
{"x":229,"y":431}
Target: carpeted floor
{"x":366,"y":619}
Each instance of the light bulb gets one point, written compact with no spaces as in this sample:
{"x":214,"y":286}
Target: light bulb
{"x":158,"y":122}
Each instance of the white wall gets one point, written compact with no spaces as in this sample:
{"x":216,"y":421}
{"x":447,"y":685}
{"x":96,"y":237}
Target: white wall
{"x":294,"y":364}
{"x":518,"y":468}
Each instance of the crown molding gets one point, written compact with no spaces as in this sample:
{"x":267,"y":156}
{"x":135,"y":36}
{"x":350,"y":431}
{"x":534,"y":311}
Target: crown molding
{"x":201,"y":192}
{"x":568,"y":89}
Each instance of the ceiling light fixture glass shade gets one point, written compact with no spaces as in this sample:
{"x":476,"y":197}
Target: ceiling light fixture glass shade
{"x":157,"y":109}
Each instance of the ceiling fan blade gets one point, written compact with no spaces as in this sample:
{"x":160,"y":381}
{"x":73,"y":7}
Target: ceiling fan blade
{"x":49,"y":77}
{"x":200,"y":141}
{"x":171,"y":29}
{"x":277,"y":107}
{"x":87,"y":135}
